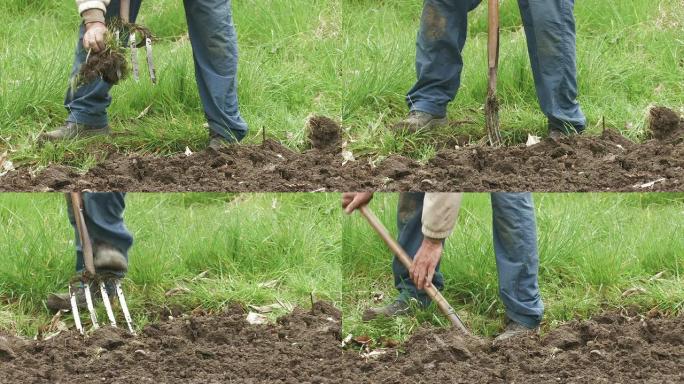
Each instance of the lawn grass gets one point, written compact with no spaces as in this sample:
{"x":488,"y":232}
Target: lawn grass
{"x":287,"y":70}
{"x":630,"y":55}
{"x":220,"y":247}
{"x":349,"y":59}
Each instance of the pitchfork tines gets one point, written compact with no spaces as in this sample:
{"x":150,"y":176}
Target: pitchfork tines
{"x":87,"y":283}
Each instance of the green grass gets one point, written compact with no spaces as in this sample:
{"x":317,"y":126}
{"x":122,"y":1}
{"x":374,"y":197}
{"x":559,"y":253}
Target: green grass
{"x":287,"y":70}
{"x":630,"y":55}
{"x":220,"y":247}
{"x":593,"y":247}
{"x":348,"y":59}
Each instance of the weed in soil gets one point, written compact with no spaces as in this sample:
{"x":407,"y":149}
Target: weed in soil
{"x":109,"y":64}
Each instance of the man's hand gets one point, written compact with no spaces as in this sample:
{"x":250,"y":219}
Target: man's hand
{"x":94,"y":38}
{"x":424,"y":264}
{"x":355,"y":200}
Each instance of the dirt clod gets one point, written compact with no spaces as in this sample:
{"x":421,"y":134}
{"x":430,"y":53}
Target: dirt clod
{"x":324,"y":133}
{"x":665,"y":123}
{"x":6,"y":352}
{"x":110,"y":64}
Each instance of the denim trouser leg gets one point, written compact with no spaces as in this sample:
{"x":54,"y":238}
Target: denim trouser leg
{"x":550,"y":30}
{"x":104,"y":221}
{"x":441,"y":38}
{"x":409,"y":223}
{"x":88,"y":103}
{"x":517,"y":260}
{"x":214,"y":47}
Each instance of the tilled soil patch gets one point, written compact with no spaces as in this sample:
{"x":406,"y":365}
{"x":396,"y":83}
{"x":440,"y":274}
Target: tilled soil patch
{"x":304,"y":347}
{"x":608,"y":162}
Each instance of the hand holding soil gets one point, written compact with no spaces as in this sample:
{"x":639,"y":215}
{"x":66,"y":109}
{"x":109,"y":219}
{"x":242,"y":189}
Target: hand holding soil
{"x":95,"y":36}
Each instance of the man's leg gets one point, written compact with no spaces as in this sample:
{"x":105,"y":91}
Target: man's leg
{"x":517,"y":260}
{"x":550,"y":31}
{"x":215,"y":51}
{"x":442,"y":36}
{"x":111,"y":240}
{"x":87,"y":104}
{"x":409,"y":223}
{"x":105,"y":224}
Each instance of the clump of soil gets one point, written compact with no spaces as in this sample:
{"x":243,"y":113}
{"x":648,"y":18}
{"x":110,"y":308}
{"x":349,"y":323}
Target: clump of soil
{"x":324,"y":133}
{"x":608,"y":162}
{"x":665,"y":123}
{"x":110,"y":65}
{"x":304,"y":347}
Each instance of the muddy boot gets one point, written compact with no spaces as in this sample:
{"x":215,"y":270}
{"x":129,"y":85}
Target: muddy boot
{"x":216,"y":141}
{"x":70,"y":131}
{"x":417,"y":121}
{"x":398,"y":308}
{"x":109,"y":258}
{"x":557,"y":134}
{"x":513,"y":330}
{"x":60,"y":301}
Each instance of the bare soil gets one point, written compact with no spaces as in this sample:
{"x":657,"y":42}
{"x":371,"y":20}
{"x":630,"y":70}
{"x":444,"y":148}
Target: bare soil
{"x":608,"y":162}
{"x":304,"y":347}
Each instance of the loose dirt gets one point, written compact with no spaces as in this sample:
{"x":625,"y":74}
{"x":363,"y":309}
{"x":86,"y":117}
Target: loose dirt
{"x":304,"y":347}
{"x":608,"y":162}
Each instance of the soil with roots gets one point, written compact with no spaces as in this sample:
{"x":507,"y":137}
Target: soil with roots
{"x":608,"y":162}
{"x":305,"y":347}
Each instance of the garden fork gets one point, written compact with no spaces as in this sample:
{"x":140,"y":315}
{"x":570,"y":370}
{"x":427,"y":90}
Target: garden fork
{"x":146,"y":41}
{"x":89,"y":278}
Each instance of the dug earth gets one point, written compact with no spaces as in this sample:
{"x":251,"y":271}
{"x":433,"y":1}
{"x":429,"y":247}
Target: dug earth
{"x":305,"y":347}
{"x":608,"y":162}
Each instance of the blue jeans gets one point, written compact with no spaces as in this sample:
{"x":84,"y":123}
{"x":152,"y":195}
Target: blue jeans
{"x":515,"y":247}
{"x":550,"y":31}
{"x":103,"y":214}
{"x":214,"y":47}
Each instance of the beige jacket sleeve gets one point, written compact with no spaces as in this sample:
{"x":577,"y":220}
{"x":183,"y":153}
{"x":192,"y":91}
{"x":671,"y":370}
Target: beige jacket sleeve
{"x":92,"y":10}
{"x":440,"y":211}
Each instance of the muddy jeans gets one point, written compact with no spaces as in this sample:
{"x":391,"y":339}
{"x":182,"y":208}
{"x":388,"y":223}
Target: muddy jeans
{"x":104,"y":221}
{"x":214,"y":47}
{"x":550,"y":31}
{"x":515,"y":248}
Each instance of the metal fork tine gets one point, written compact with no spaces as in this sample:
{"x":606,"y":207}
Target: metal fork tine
{"x":89,"y":304}
{"x":74,"y":310}
{"x":150,"y":60}
{"x":107,"y":304}
{"x":124,"y":307}
{"x":134,"y":55}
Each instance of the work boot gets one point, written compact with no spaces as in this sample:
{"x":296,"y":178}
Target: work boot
{"x":418,"y":120}
{"x":513,"y":330}
{"x":557,"y":134}
{"x":109,"y":258}
{"x":397,"y":308}
{"x":61,"y":301}
{"x":216,"y":141}
{"x":70,"y":131}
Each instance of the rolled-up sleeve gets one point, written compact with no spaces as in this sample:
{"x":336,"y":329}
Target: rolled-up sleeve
{"x":85,"y":5}
{"x":440,"y":211}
